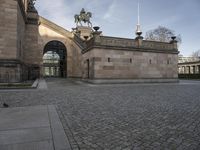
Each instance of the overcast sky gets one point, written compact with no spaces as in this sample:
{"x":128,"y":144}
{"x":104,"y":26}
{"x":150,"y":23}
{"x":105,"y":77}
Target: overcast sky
{"x":119,"y":17}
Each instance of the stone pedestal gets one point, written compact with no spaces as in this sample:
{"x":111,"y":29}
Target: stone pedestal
{"x":175,"y":45}
{"x":138,"y":41}
{"x":96,"y":36}
{"x":84,"y":32}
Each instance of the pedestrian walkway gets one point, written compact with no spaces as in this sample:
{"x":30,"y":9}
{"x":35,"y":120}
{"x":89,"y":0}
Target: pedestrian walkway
{"x":32,"y":128}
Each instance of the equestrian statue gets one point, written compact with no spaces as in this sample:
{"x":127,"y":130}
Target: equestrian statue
{"x":83,"y":17}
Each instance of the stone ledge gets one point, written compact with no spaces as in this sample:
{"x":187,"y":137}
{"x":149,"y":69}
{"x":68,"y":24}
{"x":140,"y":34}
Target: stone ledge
{"x":60,"y":139}
{"x":13,"y":61}
{"x":127,"y":81}
{"x":130,"y":49}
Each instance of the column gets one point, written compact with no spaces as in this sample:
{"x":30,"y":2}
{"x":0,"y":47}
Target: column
{"x":183,"y":69}
{"x":199,"y":68}
{"x":193,"y":70}
{"x":188,"y":70}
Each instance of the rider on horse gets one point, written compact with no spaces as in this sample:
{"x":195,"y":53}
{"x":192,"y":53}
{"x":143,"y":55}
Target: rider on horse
{"x":85,"y":17}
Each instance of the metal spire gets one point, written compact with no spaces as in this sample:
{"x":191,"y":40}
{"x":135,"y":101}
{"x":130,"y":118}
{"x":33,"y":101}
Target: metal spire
{"x":138,"y":12}
{"x":138,"y":30}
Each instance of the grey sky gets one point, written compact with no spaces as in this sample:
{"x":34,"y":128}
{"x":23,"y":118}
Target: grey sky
{"x":119,"y":17}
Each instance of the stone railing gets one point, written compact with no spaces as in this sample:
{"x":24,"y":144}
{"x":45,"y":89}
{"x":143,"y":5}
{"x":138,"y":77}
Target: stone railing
{"x":157,"y":45}
{"x":118,"y":42}
{"x":124,"y":43}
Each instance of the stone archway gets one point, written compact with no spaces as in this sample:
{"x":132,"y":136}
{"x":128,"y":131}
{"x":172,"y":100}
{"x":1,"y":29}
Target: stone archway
{"x":54,"y":59}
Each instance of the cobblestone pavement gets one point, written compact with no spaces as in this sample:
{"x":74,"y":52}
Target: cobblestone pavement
{"x":121,"y":117}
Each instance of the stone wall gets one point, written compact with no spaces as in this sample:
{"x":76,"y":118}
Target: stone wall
{"x":121,"y":58}
{"x":76,"y":60}
{"x":31,"y":52}
{"x":121,"y":64}
{"x":10,"y":71}
{"x":12,"y":28}
{"x":8,"y":29}
{"x":18,"y":41}
{"x":20,"y":33}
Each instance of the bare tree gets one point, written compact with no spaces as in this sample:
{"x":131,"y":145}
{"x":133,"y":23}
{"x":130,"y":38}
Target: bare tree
{"x":162,"y":34}
{"x":196,"y":53}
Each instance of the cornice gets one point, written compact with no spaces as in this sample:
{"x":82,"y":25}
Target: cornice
{"x":130,"y":49}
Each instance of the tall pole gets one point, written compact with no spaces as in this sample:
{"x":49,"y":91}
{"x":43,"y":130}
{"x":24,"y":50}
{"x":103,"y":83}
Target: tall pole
{"x":138,"y":30}
{"x":138,"y":13}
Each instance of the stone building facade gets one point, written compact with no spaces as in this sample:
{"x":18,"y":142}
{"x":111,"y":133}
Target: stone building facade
{"x":27,"y":40}
{"x":189,"y":65}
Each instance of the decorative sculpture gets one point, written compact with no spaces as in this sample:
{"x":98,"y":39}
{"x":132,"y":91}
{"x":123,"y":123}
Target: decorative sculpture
{"x":83,"y":17}
{"x":31,"y":5}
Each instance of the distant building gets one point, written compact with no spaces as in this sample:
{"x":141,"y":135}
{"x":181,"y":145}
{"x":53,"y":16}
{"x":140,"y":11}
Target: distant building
{"x":32,"y":47}
{"x":189,"y":65}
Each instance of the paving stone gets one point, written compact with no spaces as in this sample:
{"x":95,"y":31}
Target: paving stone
{"x":121,"y":116}
{"x":43,"y":145}
{"x":24,"y":135}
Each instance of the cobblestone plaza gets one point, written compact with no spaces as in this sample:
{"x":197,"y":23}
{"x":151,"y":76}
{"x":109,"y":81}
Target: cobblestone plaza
{"x":120,"y":116}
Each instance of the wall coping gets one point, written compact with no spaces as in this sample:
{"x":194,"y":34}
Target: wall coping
{"x":121,"y":44}
{"x":54,"y":27}
{"x":131,"y":81}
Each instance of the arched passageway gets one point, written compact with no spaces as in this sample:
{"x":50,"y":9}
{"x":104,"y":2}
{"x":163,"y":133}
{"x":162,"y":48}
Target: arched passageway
{"x":54,"y":59}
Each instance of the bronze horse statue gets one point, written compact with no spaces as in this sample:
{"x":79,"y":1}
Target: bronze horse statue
{"x":83,"y":17}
